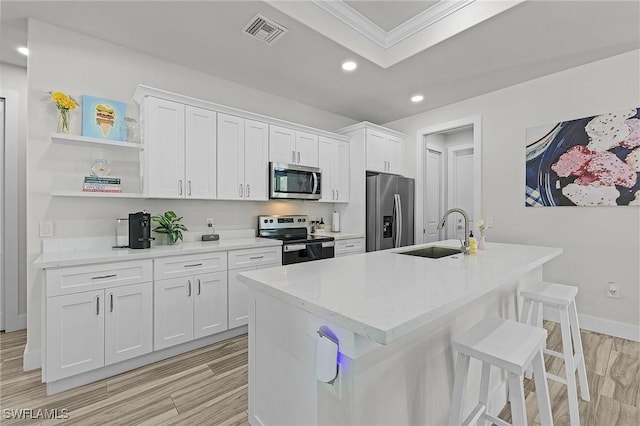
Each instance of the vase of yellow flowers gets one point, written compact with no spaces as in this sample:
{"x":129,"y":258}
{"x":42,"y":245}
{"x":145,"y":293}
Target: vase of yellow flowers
{"x":64,"y":103}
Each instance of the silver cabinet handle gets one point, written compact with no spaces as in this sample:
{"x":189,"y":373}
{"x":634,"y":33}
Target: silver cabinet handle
{"x":199,"y":287}
{"x":256,"y":257}
{"x":180,"y":185}
{"x":102,"y":277}
{"x":241,"y":191}
{"x":298,"y":157}
{"x":111,"y":302}
{"x":337,"y":194}
{"x":193,"y":265}
{"x":350,"y":245}
{"x":97,"y":305}
{"x":189,"y":293}
{"x":248,"y":190}
{"x":293,"y":157}
{"x":189,"y":185}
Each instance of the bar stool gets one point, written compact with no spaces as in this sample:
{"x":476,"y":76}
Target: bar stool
{"x":511,"y":346}
{"x":563,"y":298}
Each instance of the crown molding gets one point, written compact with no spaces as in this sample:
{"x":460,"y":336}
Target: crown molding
{"x":345,"y":13}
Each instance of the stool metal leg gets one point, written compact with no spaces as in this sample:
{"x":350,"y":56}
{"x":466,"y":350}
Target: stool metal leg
{"x":459,"y":382}
{"x":569,"y":366}
{"x":516,"y":390}
{"x":577,"y":344}
{"x":484,"y":391}
{"x":542,"y":390}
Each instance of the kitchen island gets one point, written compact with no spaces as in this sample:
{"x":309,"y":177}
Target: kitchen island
{"x":393,"y":316}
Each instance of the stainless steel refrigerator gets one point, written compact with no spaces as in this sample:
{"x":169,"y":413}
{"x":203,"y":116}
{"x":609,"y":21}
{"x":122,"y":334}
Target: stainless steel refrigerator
{"x":389,"y":211}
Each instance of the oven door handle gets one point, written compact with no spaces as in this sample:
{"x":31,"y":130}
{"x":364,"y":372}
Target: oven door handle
{"x":294,"y":247}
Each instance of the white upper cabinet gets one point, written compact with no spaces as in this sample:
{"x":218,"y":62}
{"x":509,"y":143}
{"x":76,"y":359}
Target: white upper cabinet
{"x":164,"y":142}
{"x":292,"y":147}
{"x":200,"y":153}
{"x":243,"y":147}
{"x":180,"y":148}
{"x":384,"y":152}
{"x":334,"y":158}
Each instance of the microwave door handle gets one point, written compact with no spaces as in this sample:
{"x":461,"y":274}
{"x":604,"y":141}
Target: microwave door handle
{"x":315,"y":182}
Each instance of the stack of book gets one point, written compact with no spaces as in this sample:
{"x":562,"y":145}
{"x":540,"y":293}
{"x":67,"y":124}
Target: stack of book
{"x":101,"y":184}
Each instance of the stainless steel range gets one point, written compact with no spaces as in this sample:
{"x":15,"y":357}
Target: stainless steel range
{"x":297,"y":245}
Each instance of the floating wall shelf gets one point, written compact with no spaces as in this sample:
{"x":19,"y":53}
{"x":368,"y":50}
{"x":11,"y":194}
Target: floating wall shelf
{"x":86,"y":141}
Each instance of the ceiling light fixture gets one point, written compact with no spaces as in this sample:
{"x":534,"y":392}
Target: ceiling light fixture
{"x":349,"y":66}
{"x":417,"y":98}
{"x":23,"y":50}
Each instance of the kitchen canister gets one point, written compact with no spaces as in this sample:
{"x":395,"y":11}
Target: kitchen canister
{"x":335,"y":222}
{"x":122,"y":233}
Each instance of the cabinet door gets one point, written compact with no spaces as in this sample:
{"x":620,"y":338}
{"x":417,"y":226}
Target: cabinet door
{"x":238,"y":299}
{"x":326,"y":148}
{"x":164,"y":144}
{"x":75,"y":334}
{"x":210,"y":303}
{"x":128,"y":324}
{"x":172,"y":312}
{"x":306,"y":149}
{"x":341,"y":171}
{"x":231,"y":154}
{"x":376,"y":151}
{"x":395,"y":155}
{"x":282,"y":145}
{"x":256,"y":160}
{"x":200,"y":153}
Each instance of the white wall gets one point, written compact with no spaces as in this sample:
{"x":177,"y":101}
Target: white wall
{"x":601,"y":244}
{"x":77,"y":64}
{"x":15,"y":78}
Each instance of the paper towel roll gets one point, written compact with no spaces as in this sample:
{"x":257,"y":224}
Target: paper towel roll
{"x":335,"y":222}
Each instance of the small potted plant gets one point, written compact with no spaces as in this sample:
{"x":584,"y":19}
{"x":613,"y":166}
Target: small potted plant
{"x":169,"y":224}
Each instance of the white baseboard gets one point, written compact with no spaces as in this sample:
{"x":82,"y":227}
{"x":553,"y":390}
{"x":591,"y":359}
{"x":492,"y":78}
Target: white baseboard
{"x":600,"y":325}
{"x":31,"y":360}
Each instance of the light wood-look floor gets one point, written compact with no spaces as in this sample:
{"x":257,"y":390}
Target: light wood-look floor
{"x":209,"y":387}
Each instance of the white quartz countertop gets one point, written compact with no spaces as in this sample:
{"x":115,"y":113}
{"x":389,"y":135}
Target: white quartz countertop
{"x":384,"y":295}
{"x":83,"y":256}
{"x":339,"y":235}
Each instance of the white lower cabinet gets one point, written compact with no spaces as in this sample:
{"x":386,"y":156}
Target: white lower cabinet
{"x":188,"y":308}
{"x":91,"y":329}
{"x":244,"y":261}
{"x":349,"y":246}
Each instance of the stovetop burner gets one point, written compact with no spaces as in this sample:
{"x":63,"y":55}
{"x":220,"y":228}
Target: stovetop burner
{"x":288,"y":229}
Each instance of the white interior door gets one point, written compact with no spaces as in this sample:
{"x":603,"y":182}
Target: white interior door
{"x":2,"y":311}
{"x":433,"y":208}
{"x":460,"y":188}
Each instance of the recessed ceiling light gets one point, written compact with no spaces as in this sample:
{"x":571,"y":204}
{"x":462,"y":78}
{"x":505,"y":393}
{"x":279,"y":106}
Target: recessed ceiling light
{"x":349,"y":66}
{"x":24,"y":51}
{"x":417,"y":98}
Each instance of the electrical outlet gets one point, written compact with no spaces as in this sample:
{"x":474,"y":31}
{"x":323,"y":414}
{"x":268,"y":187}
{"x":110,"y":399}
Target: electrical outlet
{"x":209,"y":222}
{"x":46,"y":229}
{"x":613,"y":290}
{"x":489,"y":222}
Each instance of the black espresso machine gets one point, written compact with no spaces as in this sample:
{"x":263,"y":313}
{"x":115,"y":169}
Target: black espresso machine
{"x":140,"y":230}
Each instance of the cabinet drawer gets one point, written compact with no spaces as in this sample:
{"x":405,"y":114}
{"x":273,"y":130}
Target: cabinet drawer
{"x":94,"y":277}
{"x":350,"y":246}
{"x":182,"y":266}
{"x":255,"y":257}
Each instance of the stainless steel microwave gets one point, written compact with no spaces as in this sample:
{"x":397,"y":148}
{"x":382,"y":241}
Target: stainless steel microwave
{"x":291,"y":181}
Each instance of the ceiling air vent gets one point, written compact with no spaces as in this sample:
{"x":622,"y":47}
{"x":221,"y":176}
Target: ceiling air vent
{"x":264,"y":29}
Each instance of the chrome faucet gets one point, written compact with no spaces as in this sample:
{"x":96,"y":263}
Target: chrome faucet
{"x":464,"y":248}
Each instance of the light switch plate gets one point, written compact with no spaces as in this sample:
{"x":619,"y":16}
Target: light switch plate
{"x":46,"y":229}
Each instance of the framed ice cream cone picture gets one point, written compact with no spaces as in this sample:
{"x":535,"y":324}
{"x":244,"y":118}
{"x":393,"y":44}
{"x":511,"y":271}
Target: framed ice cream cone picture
{"x":103,"y":118}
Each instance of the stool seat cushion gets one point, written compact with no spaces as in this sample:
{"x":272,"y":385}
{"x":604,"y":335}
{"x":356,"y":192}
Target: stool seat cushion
{"x":550,"y":293}
{"x":507,"y":344}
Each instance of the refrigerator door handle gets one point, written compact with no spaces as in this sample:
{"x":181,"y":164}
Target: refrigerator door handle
{"x":396,"y":220}
{"x":400,"y":224}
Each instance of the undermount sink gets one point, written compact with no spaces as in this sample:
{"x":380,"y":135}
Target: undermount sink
{"x":433,"y":252}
